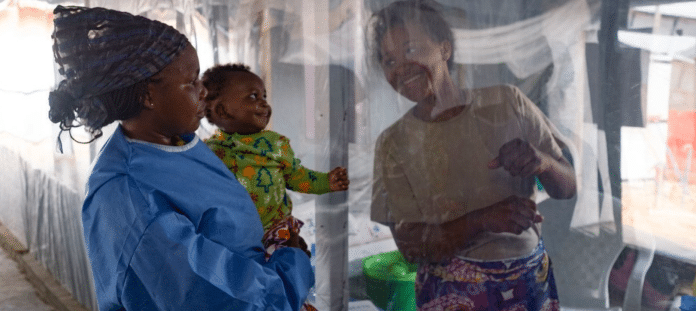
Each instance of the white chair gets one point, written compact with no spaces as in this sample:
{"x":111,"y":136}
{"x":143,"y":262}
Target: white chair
{"x":582,"y":263}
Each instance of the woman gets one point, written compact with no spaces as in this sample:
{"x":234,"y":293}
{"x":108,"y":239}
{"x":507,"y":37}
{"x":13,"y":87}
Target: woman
{"x":167,"y":226}
{"x":455,"y":176}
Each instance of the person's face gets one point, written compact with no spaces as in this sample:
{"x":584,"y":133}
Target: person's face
{"x":242,"y":107}
{"x":413,"y":63}
{"x":176,"y":95}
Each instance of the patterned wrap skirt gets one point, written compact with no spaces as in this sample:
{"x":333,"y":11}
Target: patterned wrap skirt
{"x":278,"y":237}
{"x":518,"y":284}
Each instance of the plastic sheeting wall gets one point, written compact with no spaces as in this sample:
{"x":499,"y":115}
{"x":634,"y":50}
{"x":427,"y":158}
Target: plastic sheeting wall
{"x":44,"y":215}
{"x":332,"y":103}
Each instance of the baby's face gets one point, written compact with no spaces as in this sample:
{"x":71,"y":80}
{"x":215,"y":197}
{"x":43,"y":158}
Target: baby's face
{"x":241,"y":107}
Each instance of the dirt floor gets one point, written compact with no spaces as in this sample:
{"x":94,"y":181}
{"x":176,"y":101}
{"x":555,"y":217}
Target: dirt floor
{"x":16,"y":293}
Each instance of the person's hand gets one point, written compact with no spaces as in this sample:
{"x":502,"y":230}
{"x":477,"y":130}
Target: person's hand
{"x":297,"y":241}
{"x":423,"y":243}
{"x":338,"y":179}
{"x":520,"y":158}
{"x":303,"y":246}
{"x":514,"y":214}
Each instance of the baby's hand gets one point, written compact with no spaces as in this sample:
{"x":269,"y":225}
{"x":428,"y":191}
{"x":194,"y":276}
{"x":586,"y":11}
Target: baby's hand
{"x":338,"y":179}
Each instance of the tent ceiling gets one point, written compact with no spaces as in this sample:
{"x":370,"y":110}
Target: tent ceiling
{"x":655,"y":2}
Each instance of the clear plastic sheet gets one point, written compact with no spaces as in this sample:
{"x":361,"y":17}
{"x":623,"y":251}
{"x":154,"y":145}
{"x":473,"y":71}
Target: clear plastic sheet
{"x":333,"y":101}
{"x":44,"y":215}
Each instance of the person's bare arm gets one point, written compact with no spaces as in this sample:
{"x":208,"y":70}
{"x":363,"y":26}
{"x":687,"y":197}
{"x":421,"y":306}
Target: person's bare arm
{"x":559,"y":179}
{"x":520,"y":158}
{"x":421,"y":242}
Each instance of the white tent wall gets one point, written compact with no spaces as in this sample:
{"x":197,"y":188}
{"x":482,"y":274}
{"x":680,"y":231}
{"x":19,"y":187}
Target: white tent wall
{"x":332,"y":102}
{"x":300,"y":48}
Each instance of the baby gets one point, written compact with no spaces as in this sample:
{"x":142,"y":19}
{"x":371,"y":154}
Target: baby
{"x":262,"y":160}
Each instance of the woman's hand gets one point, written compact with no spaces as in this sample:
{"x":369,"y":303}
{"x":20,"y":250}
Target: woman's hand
{"x":297,"y":241}
{"x":338,"y":179}
{"x":425,"y":243}
{"x":514,"y":215}
{"x":520,"y":158}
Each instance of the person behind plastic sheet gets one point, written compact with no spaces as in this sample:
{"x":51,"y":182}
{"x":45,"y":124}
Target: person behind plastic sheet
{"x":454,"y":178}
{"x":167,"y":226}
{"x":262,"y":160}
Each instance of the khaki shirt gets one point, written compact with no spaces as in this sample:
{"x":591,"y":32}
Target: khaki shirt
{"x":434,"y":172}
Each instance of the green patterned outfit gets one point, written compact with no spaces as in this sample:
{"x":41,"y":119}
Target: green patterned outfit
{"x":265,"y":165}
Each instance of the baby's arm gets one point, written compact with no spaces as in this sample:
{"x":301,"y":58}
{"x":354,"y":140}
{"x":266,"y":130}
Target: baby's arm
{"x":338,"y":179}
{"x":299,"y":178}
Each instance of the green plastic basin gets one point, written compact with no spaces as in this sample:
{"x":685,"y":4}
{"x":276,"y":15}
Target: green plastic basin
{"x":390,"y":280}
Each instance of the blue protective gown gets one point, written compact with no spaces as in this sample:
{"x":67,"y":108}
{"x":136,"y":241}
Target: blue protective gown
{"x":170,"y":228}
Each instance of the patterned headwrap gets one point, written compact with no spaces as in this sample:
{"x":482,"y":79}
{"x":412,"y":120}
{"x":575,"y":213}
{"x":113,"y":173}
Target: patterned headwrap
{"x":101,"y":50}
{"x":104,"y":55}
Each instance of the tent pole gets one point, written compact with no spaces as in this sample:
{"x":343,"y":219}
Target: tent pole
{"x":331,"y":96}
{"x":266,"y":60}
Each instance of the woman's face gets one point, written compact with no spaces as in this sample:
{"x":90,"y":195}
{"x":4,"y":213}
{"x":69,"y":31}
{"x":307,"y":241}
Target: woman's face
{"x":414,"y":64}
{"x":176,"y":95}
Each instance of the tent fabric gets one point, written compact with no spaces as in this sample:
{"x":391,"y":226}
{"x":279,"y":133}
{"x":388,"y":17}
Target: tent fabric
{"x":296,"y":54}
{"x":44,"y":214}
{"x":53,"y":228}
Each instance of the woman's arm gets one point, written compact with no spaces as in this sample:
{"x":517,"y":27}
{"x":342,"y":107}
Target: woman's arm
{"x":539,"y":152}
{"x":174,"y":267}
{"x":520,"y":158}
{"x":424,"y":243}
{"x":147,"y":255}
{"x":559,"y":178}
